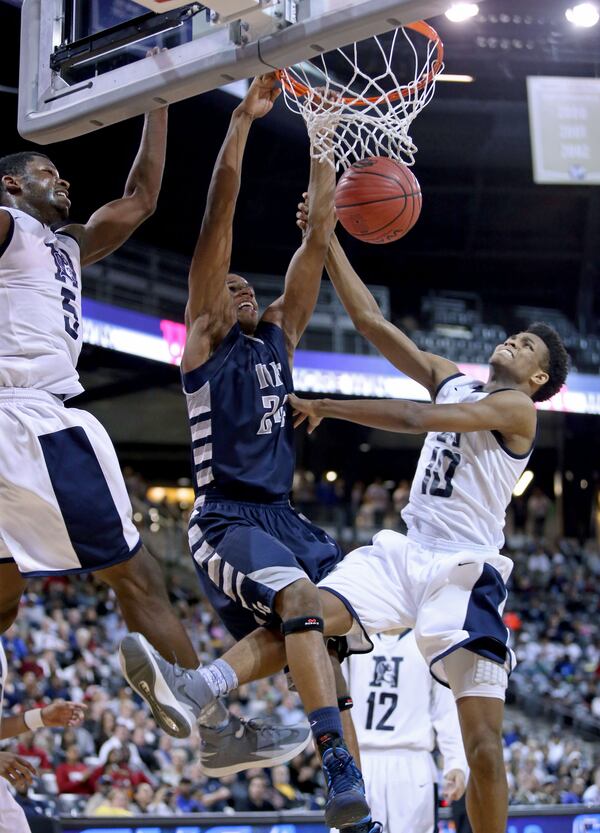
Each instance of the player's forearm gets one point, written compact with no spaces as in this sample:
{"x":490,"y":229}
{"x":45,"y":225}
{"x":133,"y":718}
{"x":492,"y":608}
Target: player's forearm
{"x":146,"y":173}
{"x":386,"y":414}
{"x":358,"y":301}
{"x":12,"y":726}
{"x":227,"y":173}
{"x":321,"y":216}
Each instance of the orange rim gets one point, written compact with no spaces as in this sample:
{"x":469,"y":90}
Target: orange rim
{"x":299,"y":89}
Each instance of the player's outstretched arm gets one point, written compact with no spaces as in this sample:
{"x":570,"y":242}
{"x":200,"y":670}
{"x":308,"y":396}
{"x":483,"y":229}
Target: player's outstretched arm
{"x":211,"y":259}
{"x":208,"y":295}
{"x":427,"y":369}
{"x":292,"y":310}
{"x":110,"y":226}
{"x":57,"y":715}
{"x":511,"y":413}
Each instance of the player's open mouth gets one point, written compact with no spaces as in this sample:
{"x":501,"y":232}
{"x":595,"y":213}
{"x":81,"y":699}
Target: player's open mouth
{"x":246,"y":305}
{"x":507,"y":352}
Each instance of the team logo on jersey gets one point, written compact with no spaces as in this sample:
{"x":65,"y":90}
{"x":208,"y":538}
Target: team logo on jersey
{"x":65,"y":271}
{"x":386,"y":672}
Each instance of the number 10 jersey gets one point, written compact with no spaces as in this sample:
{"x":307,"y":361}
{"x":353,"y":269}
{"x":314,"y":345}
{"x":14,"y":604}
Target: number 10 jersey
{"x":463,"y":482}
{"x":40,"y":308}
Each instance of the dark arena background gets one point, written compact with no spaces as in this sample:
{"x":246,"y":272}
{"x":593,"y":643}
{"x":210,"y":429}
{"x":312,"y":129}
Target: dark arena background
{"x":496,"y":246}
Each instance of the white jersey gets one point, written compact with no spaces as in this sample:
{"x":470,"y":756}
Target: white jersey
{"x":398,"y":705}
{"x":40,"y":308}
{"x":463,"y":482}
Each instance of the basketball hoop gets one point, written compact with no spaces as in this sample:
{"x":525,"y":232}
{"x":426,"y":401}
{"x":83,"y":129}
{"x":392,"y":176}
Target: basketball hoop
{"x":352,"y":98}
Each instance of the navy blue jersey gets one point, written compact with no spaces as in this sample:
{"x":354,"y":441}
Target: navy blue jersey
{"x":242,"y":432}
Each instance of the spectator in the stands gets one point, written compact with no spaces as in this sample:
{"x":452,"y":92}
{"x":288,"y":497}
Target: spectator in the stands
{"x":117,"y":772}
{"x":257,"y":799}
{"x":284,"y":796}
{"x":32,"y":807}
{"x":73,"y":775}
{"x":29,"y":747}
{"x":186,"y":799}
{"x":538,"y":507}
{"x":377,"y":498}
{"x":116,"y":803}
{"x":592,"y":793}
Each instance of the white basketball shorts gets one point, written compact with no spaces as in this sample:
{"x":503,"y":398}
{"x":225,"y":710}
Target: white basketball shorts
{"x":401,"y":789}
{"x":12,"y":817}
{"x":64,"y":507}
{"x":453,"y":597}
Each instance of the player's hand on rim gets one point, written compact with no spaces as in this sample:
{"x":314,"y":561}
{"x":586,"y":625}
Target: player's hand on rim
{"x":305,"y":409}
{"x":261,"y":96}
{"x":16,"y":769}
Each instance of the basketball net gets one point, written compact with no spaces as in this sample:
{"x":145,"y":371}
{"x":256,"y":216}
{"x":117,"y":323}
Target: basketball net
{"x":365,"y":111}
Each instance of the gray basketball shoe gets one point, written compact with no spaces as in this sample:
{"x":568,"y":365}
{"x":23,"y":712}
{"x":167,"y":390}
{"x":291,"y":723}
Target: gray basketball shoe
{"x":177,"y":698}
{"x":244,"y":744}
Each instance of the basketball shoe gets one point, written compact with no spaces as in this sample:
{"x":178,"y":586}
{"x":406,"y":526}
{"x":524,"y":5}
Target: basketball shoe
{"x":346,"y":803}
{"x":177,"y":697}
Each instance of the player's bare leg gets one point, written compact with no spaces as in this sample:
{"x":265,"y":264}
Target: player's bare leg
{"x":12,"y":586}
{"x":487,"y":790}
{"x":305,"y":649}
{"x":140,"y":589}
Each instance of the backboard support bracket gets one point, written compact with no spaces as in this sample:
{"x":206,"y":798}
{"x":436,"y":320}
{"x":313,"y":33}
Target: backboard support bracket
{"x":219,"y":54}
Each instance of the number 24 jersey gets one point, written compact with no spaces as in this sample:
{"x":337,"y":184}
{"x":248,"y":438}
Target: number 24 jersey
{"x":40,"y":308}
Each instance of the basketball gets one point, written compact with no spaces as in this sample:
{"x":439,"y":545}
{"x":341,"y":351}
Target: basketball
{"x":378,"y":200}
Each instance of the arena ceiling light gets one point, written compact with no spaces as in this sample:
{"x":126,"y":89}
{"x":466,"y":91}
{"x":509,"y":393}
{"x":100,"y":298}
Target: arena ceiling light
{"x":454,"y":78}
{"x":522,"y":483}
{"x":584,"y":15}
{"x":462,"y":11}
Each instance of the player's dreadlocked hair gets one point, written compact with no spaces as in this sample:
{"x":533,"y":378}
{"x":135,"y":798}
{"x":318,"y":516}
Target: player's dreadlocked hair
{"x":558,"y":360}
{"x":15,"y":164}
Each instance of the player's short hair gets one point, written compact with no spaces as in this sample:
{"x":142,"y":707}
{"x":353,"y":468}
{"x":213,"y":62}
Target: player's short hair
{"x":15,"y":164}
{"x":558,"y":360}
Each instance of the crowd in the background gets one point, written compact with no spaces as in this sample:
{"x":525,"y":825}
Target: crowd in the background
{"x":64,"y":645}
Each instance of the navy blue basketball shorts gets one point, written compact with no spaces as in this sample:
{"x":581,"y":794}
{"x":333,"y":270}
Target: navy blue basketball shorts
{"x":245,"y":553}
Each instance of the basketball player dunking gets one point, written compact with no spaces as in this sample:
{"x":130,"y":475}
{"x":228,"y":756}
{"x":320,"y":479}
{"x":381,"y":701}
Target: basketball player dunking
{"x":446,"y":578}
{"x":257,"y":559}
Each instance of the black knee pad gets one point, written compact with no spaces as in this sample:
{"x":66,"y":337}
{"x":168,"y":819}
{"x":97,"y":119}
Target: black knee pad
{"x":302,"y":623}
{"x":345,"y":703}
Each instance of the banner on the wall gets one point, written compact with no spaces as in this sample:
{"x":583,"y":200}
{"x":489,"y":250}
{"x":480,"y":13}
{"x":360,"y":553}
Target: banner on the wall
{"x":163,"y":340}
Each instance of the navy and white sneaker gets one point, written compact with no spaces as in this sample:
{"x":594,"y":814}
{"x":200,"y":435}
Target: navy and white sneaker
{"x":346,"y":803}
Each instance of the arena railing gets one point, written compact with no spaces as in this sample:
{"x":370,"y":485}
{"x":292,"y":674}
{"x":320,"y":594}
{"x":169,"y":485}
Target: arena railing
{"x":522,"y":819}
{"x":154,"y":281}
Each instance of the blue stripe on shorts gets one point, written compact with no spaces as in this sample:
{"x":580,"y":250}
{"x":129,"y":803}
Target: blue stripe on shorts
{"x":89,"y":513}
